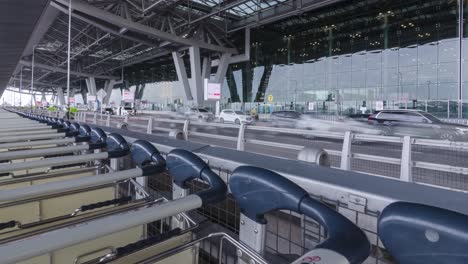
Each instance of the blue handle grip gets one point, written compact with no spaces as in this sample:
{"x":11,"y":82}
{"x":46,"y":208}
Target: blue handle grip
{"x":185,"y":166}
{"x":84,"y":134}
{"x":116,"y":146}
{"x":98,"y":136}
{"x":259,"y":191}
{"x":417,"y":234}
{"x":147,"y":157}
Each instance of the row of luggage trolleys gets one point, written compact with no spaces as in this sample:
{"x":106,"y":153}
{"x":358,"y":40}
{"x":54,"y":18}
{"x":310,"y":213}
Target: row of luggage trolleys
{"x":64,"y":198}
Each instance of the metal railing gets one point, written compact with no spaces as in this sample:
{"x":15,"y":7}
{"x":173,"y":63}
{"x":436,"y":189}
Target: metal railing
{"x":348,"y":157}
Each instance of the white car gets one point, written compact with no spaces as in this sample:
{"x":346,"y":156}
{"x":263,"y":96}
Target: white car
{"x":340,"y":125}
{"x":200,"y":114}
{"x":236,"y":117}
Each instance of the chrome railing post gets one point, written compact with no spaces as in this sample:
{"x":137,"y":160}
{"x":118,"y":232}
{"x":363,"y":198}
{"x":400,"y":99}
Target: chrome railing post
{"x":95,"y":118}
{"x":406,"y":162}
{"x":108,"y":120}
{"x":346,"y":154}
{"x":241,"y":137}
{"x":149,"y":129}
{"x":185,"y":129}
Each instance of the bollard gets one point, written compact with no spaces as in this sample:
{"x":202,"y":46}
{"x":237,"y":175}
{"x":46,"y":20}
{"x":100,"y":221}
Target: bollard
{"x":314,"y":155}
{"x":176,"y":134}
{"x":122,"y":126}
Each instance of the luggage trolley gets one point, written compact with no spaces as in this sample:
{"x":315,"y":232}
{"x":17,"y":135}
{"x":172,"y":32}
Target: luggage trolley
{"x":29,"y":197}
{"x":48,"y":133}
{"x":148,"y":163}
{"x":257,"y":191}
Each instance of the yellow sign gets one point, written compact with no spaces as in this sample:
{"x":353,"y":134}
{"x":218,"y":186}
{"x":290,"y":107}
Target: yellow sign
{"x":270,"y":98}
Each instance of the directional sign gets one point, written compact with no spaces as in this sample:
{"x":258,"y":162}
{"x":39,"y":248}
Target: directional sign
{"x":213,"y":91}
{"x":128,"y":96}
{"x":91,"y":98}
{"x":101,"y":94}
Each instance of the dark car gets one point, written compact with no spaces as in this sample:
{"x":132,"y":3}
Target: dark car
{"x":417,"y":124}
{"x":285,"y":118}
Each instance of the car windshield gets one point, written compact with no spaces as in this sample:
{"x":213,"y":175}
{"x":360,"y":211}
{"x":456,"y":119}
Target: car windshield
{"x":203,"y":110}
{"x":239,"y":113}
{"x":432,"y":118}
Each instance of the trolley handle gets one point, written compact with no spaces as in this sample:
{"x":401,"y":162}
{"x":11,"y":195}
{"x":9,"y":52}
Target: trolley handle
{"x":147,"y":157}
{"x":185,"y":166}
{"x":93,"y":206}
{"x":259,"y":191}
{"x":130,"y":248}
{"x":9,"y":224}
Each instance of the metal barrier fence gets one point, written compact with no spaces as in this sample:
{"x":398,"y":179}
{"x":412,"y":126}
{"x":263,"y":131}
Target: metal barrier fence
{"x":437,"y":162}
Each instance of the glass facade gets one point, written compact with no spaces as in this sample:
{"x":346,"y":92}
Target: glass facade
{"x":348,"y":56}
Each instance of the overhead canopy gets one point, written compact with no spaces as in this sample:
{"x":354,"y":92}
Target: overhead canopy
{"x":17,"y":22}
{"x":108,"y":35}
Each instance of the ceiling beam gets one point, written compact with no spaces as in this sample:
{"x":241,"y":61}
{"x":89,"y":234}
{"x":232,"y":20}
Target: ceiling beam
{"x":61,"y":70}
{"x":286,"y":9}
{"x":103,"y":27}
{"x":41,"y":83}
{"x":89,"y":10}
{"x":217,"y":9}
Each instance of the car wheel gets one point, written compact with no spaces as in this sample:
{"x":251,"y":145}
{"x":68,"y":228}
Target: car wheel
{"x":200,"y":118}
{"x":387,"y":131}
{"x":237,"y":122}
{"x":221,"y":120}
{"x":448,"y":135}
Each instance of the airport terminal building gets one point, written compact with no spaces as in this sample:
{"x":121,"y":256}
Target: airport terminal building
{"x":350,"y":55}
{"x":347,"y":57}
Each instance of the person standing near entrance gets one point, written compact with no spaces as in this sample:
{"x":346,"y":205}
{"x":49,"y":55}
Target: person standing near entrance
{"x":67,"y":111}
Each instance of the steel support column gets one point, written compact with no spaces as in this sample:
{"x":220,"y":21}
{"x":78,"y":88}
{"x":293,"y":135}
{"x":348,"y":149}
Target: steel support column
{"x":222,"y":68}
{"x":60,"y":96}
{"x":91,"y":84}
{"x":182,"y":74}
{"x":195,"y":68}
{"x":206,"y":68}
{"x":108,"y":90}
{"x":43,"y":98}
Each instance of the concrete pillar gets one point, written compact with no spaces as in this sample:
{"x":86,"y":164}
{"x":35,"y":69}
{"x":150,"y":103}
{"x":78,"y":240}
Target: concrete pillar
{"x":43,"y":98}
{"x":83,"y":94}
{"x":139,"y":91}
{"x":91,"y":84}
{"x":206,"y":68}
{"x":108,"y":89}
{"x":222,"y":68}
{"x":72,"y":92}
{"x":197,"y":83}
{"x":61,"y":96}
{"x":182,"y":74}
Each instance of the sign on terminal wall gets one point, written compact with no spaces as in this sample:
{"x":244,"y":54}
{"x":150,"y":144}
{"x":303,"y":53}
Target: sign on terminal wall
{"x":212,"y":90}
{"x":128,"y":96}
